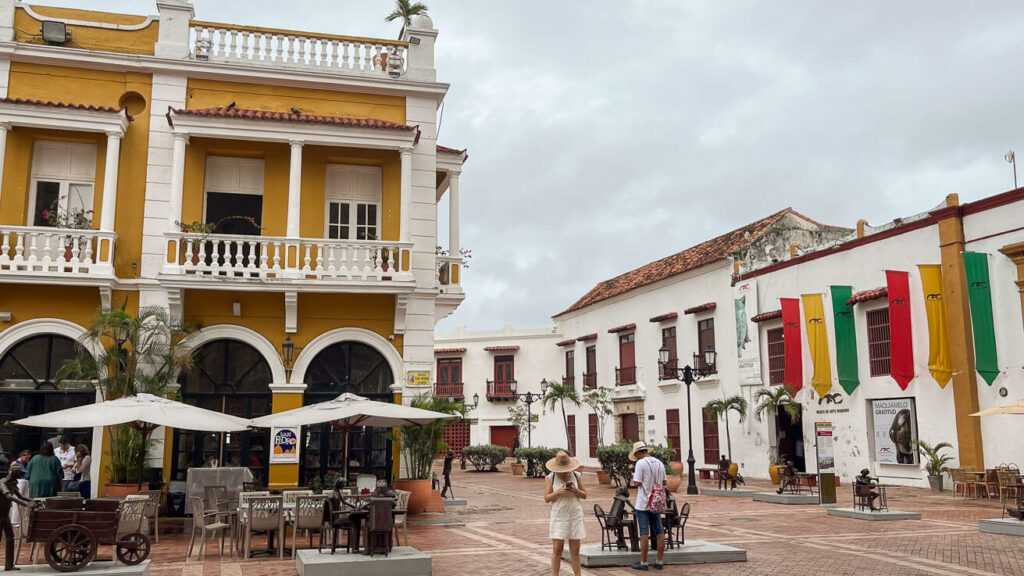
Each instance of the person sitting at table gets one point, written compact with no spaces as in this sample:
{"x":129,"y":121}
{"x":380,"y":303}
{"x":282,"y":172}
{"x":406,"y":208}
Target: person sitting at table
{"x":618,"y":518}
{"x":865,"y":485}
{"x":788,"y":477}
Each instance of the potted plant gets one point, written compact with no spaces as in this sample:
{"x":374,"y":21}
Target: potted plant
{"x":420,"y":445}
{"x":673,"y":480}
{"x":73,"y":219}
{"x":775,"y":401}
{"x":721,"y":409}
{"x":137,"y":354}
{"x":934,"y":462}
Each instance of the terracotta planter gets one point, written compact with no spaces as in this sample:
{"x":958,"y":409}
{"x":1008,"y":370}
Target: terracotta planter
{"x":775,"y":472}
{"x":676,"y":467}
{"x":603,"y":477}
{"x":420,"y":496}
{"x":517,"y":469}
{"x":672,"y":483}
{"x":120,"y":490}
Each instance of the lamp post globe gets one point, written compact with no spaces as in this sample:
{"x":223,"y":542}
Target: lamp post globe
{"x":476,"y":400}
{"x":513,"y":385}
{"x":663,"y":355}
{"x":710,"y":357}
{"x":544,"y":387}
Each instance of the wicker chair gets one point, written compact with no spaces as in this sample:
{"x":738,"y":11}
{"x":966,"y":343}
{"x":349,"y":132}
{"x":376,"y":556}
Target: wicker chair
{"x":1008,"y":483}
{"x":956,"y":474}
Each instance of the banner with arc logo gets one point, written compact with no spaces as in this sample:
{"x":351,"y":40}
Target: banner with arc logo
{"x":846,"y":338}
{"x":817,"y":342}
{"x":980,"y":294}
{"x":794,"y":374}
{"x":901,"y":342}
{"x":940,"y":363}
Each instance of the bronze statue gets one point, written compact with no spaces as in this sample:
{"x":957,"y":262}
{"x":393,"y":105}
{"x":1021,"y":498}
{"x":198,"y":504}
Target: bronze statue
{"x":864,"y":487}
{"x":380,"y":520}
{"x":447,"y":471}
{"x":725,"y":475}
{"x":618,"y":518}
{"x":9,"y":495}
{"x":788,"y":477}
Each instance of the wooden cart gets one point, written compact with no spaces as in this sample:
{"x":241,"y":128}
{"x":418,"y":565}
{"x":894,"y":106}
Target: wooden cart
{"x":71,"y":531}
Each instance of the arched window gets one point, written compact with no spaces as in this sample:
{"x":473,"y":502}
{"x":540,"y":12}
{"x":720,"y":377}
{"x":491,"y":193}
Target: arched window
{"x":232,"y":377}
{"x":360,"y":369}
{"x":28,"y":387}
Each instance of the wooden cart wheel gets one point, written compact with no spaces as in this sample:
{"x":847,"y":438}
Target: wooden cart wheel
{"x":70,"y":548}
{"x":133,"y":548}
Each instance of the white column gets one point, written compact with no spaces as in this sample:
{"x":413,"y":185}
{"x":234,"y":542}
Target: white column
{"x":405,"y":234}
{"x":294,"y":190}
{"x":177,"y":180}
{"x":453,"y":213}
{"x":110,"y":181}
{"x":4,"y":127}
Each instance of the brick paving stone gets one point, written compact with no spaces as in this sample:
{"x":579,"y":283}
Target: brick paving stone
{"x":503,"y":531}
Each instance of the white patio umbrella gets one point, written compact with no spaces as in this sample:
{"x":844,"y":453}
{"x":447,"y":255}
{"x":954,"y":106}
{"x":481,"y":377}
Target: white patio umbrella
{"x":348,"y":411}
{"x":1012,"y":408}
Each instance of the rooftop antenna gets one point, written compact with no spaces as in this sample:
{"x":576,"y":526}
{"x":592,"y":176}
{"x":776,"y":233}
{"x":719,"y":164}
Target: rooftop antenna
{"x":1012,"y":159}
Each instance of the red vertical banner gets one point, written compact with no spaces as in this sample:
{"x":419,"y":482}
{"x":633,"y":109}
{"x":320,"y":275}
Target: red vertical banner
{"x":900,"y":332}
{"x":794,"y":376}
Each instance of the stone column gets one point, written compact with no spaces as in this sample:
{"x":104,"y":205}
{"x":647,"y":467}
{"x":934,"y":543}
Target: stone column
{"x":453,"y":214}
{"x":173,"y":35}
{"x":109,"y":207}
{"x":294,"y":190}
{"x":177,"y":180}
{"x":404,"y":233}
{"x":4,"y":128}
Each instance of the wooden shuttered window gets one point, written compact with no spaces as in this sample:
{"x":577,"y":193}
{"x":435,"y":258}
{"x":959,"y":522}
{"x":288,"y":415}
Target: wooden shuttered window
{"x":879,"y":350}
{"x":776,"y":356}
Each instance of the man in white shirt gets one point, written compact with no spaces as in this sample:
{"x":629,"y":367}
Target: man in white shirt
{"x":66,"y":455}
{"x":648,"y":472}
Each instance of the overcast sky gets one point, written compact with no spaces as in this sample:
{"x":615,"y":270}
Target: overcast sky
{"x":603,"y":139}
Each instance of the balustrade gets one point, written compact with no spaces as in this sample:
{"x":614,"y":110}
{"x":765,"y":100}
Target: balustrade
{"x":60,"y":251}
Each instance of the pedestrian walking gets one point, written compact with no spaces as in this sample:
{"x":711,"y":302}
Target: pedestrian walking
{"x":66,"y":454}
{"x":649,"y":477}
{"x":83,"y":464}
{"x":564,"y":491}
{"x":45,"y":473}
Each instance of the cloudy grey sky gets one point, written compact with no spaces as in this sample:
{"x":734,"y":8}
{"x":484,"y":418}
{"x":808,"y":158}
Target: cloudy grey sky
{"x":605,"y":135}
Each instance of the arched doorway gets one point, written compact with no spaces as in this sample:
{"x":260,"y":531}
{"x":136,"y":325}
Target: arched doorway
{"x":28,"y":387}
{"x":232,"y":377}
{"x":357,"y":368}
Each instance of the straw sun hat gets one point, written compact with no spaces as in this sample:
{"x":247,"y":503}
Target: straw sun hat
{"x":562,"y":462}
{"x":637,"y":447}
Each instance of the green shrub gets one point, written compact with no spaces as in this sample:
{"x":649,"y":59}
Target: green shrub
{"x":485,"y":457}
{"x":533,"y":459}
{"x":614,"y":460}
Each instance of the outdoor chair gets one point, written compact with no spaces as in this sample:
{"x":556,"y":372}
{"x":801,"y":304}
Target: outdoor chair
{"x":1008,"y":483}
{"x":977,"y":484}
{"x":22,"y":536}
{"x":152,"y":511}
{"x":243,"y":509}
{"x":956,"y":474}
{"x":609,"y":534}
{"x":265,"y":514}
{"x":401,"y":519}
{"x":69,"y":495}
{"x":289,"y":496}
{"x":309,"y":513}
{"x":675,"y":531}
{"x":204,"y":524}
{"x":991,"y":482}
{"x":338,"y":519}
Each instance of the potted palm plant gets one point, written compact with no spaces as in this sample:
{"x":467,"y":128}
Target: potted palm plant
{"x":934,"y":462}
{"x":775,"y":401}
{"x":140,"y":354}
{"x":420,"y":445}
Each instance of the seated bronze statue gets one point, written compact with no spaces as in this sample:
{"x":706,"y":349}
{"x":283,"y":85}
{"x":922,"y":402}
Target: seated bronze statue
{"x":788,"y":477}
{"x":728,"y":473}
{"x":380,"y":521}
{"x":864,"y":488}
{"x":619,"y":518}
{"x":340,"y":517}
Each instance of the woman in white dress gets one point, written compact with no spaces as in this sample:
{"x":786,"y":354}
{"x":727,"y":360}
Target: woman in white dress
{"x":564,"y":492}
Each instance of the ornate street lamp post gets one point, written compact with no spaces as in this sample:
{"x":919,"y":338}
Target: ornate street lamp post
{"x":529,"y":398}
{"x":688,"y":375}
{"x":467,"y":409}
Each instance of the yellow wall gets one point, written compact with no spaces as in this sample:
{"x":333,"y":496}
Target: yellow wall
{"x":276,"y":166}
{"x":76,"y":304}
{"x":215,"y":94}
{"x":28,"y":30}
{"x":91,"y":87}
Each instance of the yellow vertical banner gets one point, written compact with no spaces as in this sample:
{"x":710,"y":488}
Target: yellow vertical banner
{"x":817,"y":341}
{"x":939,"y":361}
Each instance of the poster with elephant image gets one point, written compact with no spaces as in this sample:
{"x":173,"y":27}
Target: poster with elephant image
{"x":748,"y":351}
{"x":895,"y":427}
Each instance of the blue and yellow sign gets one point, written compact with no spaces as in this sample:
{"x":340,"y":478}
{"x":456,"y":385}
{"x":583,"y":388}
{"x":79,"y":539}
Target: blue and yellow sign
{"x":285,"y":443}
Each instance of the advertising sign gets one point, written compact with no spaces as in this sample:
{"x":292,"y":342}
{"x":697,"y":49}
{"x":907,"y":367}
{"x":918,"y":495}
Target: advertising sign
{"x":748,"y":351}
{"x":418,"y":378}
{"x":826,"y":449}
{"x":895,"y":426}
{"x":285,"y":445}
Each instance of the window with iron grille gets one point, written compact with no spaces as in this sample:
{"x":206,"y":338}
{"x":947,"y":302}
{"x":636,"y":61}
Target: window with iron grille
{"x":705,"y":341}
{"x":672,"y":432}
{"x":571,"y":426}
{"x":592,"y":434}
{"x":879,"y":352}
{"x":776,"y":356}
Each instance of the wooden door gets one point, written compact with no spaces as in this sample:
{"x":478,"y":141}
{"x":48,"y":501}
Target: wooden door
{"x":627,"y":351}
{"x":711,"y":441}
{"x":504,"y":436}
{"x":630,"y":428}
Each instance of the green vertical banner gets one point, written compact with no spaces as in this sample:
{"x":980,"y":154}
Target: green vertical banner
{"x":846,"y":338}
{"x":980,"y":293}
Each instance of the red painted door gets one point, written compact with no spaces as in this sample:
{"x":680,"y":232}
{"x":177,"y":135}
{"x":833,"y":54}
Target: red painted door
{"x":627,"y":351}
{"x":504,"y":436}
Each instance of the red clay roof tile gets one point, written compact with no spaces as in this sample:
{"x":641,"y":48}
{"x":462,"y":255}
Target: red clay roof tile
{"x":447,"y":150}
{"x":587,"y":337}
{"x":663,"y":317}
{"x":700,"y":308}
{"x":690,"y":259}
{"x":449,"y":350}
{"x":501,"y":348}
{"x":868,"y":295}
{"x":767,"y":316}
{"x":568,"y":342}
{"x":246,"y":114}
{"x":53,"y":104}
{"x":622,"y":328}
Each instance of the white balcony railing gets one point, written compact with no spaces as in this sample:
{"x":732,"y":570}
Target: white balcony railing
{"x":449,"y":270}
{"x":285,"y":48}
{"x":65,"y":252}
{"x":273,"y":257}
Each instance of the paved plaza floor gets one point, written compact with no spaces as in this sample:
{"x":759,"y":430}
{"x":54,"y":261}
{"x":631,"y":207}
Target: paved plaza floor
{"x":503,"y":531}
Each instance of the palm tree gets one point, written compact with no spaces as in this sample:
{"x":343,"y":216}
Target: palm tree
{"x":404,"y":11}
{"x":721,"y":409}
{"x":557,"y":394}
{"x":776,"y":400}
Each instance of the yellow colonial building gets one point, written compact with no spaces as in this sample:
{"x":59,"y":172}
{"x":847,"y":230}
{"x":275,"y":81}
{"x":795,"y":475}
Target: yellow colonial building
{"x":277,"y":188}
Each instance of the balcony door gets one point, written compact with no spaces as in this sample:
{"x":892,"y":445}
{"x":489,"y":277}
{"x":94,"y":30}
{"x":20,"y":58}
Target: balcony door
{"x":234,"y":195}
{"x":63,"y":177}
{"x":353,"y":202}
